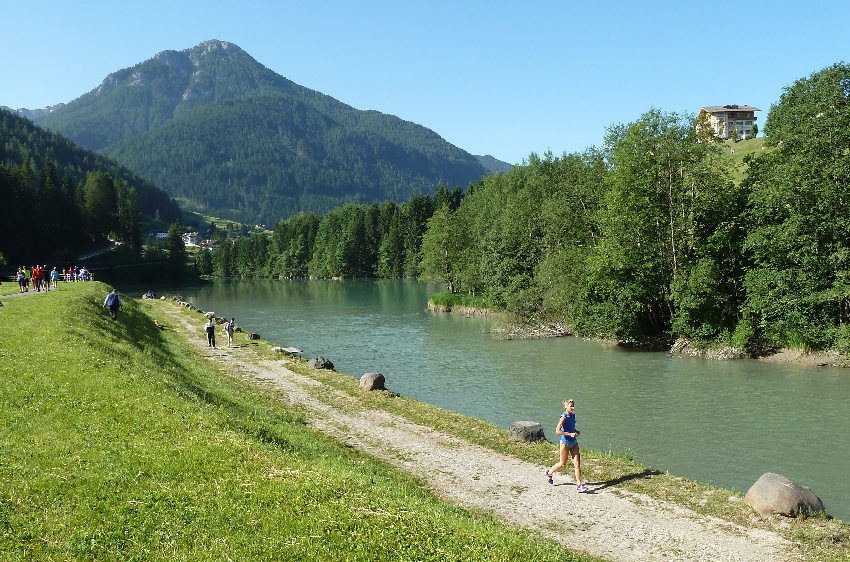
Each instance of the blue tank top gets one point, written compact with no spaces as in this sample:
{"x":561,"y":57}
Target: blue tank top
{"x":568,"y":426}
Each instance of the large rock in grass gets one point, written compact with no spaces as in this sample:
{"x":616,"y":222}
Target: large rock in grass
{"x":527,"y":431}
{"x":372,"y":381}
{"x":320,"y":363}
{"x":774,"y":493}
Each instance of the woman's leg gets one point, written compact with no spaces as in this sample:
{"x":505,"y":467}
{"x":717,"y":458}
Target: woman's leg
{"x":576,"y":462}
{"x":561,"y":463}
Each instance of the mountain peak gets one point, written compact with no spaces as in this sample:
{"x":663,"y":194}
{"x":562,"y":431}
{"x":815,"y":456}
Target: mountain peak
{"x":232,"y":136}
{"x":216,"y":46}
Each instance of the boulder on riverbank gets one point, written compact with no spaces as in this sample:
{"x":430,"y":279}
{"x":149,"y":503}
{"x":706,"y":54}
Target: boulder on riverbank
{"x":372,"y":381}
{"x":526,"y":431}
{"x":774,"y":493}
{"x":320,"y":363}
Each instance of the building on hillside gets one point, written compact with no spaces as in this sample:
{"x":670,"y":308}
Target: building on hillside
{"x":725,"y":119}
{"x":191,"y":238}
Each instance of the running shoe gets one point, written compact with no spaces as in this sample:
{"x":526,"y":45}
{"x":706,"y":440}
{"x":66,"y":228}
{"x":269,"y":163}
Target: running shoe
{"x":549,"y":478}
{"x":581,"y":488}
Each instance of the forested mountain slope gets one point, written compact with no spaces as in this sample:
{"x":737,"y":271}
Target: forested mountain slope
{"x":58,"y":199}
{"x":229,"y":136}
{"x":22,"y":141}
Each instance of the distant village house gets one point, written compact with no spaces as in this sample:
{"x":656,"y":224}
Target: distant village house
{"x":725,"y":119}
{"x":191,"y":238}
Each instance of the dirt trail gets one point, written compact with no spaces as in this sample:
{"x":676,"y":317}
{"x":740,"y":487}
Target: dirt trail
{"x":607,"y":522}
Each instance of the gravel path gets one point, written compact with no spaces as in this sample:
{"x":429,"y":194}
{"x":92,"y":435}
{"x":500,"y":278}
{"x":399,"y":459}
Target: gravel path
{"x":607,"y":522}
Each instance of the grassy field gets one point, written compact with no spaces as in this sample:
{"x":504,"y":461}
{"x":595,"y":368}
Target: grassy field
{"x":119,"y":443}
{"x":737,"y":151}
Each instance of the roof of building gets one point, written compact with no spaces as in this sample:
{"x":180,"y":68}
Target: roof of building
{"x":728,"y":108}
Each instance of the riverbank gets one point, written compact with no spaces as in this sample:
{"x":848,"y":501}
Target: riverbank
{"x":477,"y":465}
{"x":123,"y":439}
{"x":507,"y":327}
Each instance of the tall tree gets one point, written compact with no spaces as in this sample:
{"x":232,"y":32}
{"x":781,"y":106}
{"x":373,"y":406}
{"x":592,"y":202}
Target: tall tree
{"x":661,"y":184}
{"x":798,"y":289}
{"x":100,"y":203}
{"x":442,"y":249}
{"x":176,"y":249}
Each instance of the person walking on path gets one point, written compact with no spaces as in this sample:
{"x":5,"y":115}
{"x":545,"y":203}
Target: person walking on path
{"x":54,"y":277}
{"x":566,"y":428}
{"x":113,"y":302}
{"x":229,"y":328}
{"x":210,"y":328}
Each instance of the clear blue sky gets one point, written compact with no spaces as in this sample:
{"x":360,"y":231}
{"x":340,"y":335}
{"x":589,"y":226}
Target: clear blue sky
{"x":498,"y":77}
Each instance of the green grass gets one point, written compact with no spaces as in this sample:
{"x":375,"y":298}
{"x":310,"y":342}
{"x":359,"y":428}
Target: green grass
{"x":9,"y":287}
{"x":742,"y":149}
{"x":118,"y":442}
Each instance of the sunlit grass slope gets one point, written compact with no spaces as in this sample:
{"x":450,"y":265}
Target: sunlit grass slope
{"x":119,"y":443}
{"x":737,"y":151}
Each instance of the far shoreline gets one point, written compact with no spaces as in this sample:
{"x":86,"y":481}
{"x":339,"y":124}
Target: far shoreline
{"x":681,"y":347}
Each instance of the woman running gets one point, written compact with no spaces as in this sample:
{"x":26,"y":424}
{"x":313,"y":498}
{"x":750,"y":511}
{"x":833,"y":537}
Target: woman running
{"x":566,"y":428}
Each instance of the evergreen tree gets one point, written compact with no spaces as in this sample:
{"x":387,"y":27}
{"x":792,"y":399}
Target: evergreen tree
{"x":203,"y":262}
{"x":100,"y":203}
{"x":176,"y":250}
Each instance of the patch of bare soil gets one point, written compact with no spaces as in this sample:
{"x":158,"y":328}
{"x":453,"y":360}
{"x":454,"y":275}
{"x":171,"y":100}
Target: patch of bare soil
{"x":607,"y":522}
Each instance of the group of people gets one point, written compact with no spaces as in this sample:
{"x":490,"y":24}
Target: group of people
{"x":40,"y":278}
{"x":229,"y":330}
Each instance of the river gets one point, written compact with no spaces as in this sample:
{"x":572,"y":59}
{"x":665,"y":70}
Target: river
{"x":724,"y":423}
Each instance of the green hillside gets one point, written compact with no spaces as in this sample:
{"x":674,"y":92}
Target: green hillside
{"x":24,"y":142}
{"x":120,"y":443}
{"x":737,"y":151}
{"x":60,"y":200}
{"x":235,"y":139}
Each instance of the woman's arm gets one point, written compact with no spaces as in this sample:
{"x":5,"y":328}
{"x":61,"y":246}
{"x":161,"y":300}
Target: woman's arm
{"x":558,"y":428}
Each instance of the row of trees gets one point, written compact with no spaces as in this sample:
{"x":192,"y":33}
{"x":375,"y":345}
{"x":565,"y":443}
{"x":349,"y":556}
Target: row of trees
{"x":22,"y":143}
{"x":651,"y":236}
{"x":355,"y":240}
{"x":647,"y":236}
